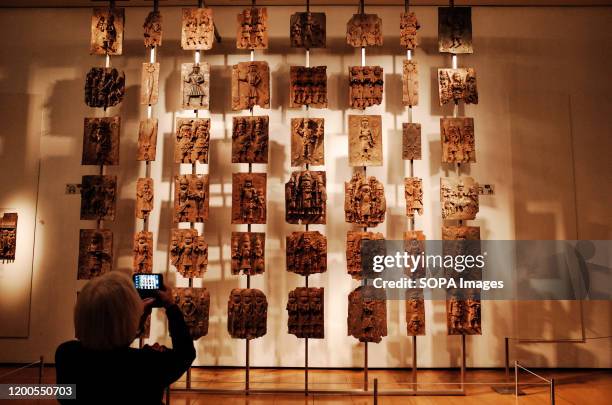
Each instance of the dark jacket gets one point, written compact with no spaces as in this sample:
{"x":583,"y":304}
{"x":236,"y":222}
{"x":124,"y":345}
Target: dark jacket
{"x":126,"y":375}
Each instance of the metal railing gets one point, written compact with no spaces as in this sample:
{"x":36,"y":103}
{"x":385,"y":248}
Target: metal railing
{"x":40,"y":363}
{"x":550,"y":383}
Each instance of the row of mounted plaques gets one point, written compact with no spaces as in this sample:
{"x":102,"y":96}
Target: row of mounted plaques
{"x":105,"y":87}
{"x":247,"y":313}
{"x":306,"y":30}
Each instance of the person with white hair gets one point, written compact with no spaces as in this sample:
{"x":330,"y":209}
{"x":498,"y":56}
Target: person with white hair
{"x":108,"y":316}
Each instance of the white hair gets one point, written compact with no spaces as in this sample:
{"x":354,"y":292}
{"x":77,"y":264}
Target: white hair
{"x":107,"y":312}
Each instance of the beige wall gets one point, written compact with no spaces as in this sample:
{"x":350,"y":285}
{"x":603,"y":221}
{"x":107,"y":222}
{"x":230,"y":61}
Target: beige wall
{"x":543,"y":138}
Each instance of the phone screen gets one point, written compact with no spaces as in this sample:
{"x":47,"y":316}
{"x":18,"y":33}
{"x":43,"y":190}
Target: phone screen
{"x":147,"y":284}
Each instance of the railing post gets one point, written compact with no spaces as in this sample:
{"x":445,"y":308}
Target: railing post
{"x":552,"y":391}
{"x":516,"y":379}
{"x":41,"y":369}
{"x":376,"y":391}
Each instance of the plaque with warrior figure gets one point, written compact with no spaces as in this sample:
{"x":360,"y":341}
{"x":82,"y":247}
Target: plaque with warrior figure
{"x":365,"y":140}
{"x":413,"y":191}
{"x":458,"y":141}
{"x":307,"y":30}
{"x":457,"y":85}
{"x":191,"y":198}
{"x":144,"y":197}
{"x":248,"y":253}
{"x":364,"y":201}
{"x":8,"y":236}
{"x":195,"y":306}
{"x":455,"y":30}
{"x":307,"y":143}
{"x":305,"y":310}
{"x":195,"y":86}
{"x":95,"y":253}
{"x":143,"y":252}
{"x":249,"y":198}
{"x":153,"y":30}
{"x":367,"y":314}
{"x":101,"y":141}
{"x":149,"y":84}
{"x":306,"y":253}
{"x":250,"y":139}
{"x":459,"y":198}
{"x":247,"y":313}
{"x":364,"y":30}
{"x":198,"y":30}
{"x":188,"y":253}
{"x":410,"y":84}
{"x":252,"y":29}
{"x":411,"y":141}
{"x":104,"y":87}
{"x":107,"y":31}
{"x":463,"y":313}
{"x":306,"y":198}
{"x":98,"y":197}
{"x":415,"y":312}
{"x":147,"y":140}
{"x":250,"y":85}
{"x":359,"y":254}
{"x":366,"y":85}
{"x":409,"y":25}
{"x":192,"y":140}
{"x":308,"y":87}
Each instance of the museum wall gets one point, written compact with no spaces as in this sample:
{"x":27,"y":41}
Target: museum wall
{"x":543,"y":136}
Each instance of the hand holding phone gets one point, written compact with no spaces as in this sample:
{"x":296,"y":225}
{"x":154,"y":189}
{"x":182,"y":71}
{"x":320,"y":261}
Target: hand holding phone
{"x":151,"y":286}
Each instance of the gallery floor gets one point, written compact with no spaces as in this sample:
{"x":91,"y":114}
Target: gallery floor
{"x":580,"y":387}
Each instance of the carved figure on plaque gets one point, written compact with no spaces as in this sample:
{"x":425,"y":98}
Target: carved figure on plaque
{"x":413,"y":191}
{"x":191,"y":198}
{"x":143,"y":252}
{"x":195,"y":79}
{"x":250,"y":85}
{"x":307,"y":143}
{"x":415,"y":313}
{"x":197,"y":32}
{"x":411,"y":141}
{"x":250,"y":139}
{"x":153,"y":29}
{"x":95,"y":253}
{"x":101,"y":141}
{"x":252,"y":29}
{"x":189,"y":253}
{"x":248,"y":253}
{"x":144,"y":197}
{"x":149,"y":84}
{"x":364,"y":30}
{"x":410,"y":83}
{"x":367,"y":314}
{"x":455,"y":30}
{"x":247,"y":313}
{"x":305,"y":310}
{"x":364,"y":201}
{"x":307,"y":30}
{"x":195,"y":306}
{"x":414,"y":244}
{"x":98,"y":197}
{"x":409,"y":25}
{"x":306,"y":253}
{"x":147,"y":140}
{"x":8,"y":236}
{"x":463,"y":314}
{"x":460,"y":233}
{"x":308,"y":87}
{"x":249,"y":198}
{"x":365,"y":140}
{"x":355,"y":252}
{"x":459,"y":198}
{"x":365,"y":86}
{"x":107,"y":31}
{"x":192,"y":140}
{"x":458,"y":141}
{"x":457,"y":85}
{"x":104,"y":87}
{"x":306,"y":198}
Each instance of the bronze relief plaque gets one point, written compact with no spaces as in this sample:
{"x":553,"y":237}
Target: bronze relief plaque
{"x":248,"y":253}
{"x":195,"y":306}
{"x":195,"y":86}
{"x":308,"y":87}
{"x":247,"y":313}
{"x":250,"y":85}
{"x":365,"y":140}
{"x":147,"y":140}
{"x":364,"y":30}
{"x":192,"y":140}
{"x":409,"y":25}
{"x":411,"y":141}
{"x":458,"y":141}
{"x":367,"y":314}
{"x":252,"y":29}
{"x":153,"y":29}
{"x":104,"y":87}
{"x":307,"y":30}
{"x":306,"y":253}
{"x":197,"y":31}
{"x":98,"y":197}
{"x":107,"y":31}
{"x":413,"y":191}
{"x":355,"y":252}
{"x":455,"y":30}
{"x":366,"y":85}
{"x":95,"y":253}
{"x":249,"y":198}
{"x":305,"y":313}
{"x":143,"y":252}
{"x":101,"y":141}
{"x":189,"y":253}
{"x":457,"y":85}
{"x":306,"y":198}
{"x":364,"y":201}
{"x":415,"y":313}
{"x":149,"y":84}
{"x":410,"y":84}
{"x":307,"y":141}
{"x":250,"y":139}
{"x":459,"y":198}
{"x":191,"y":198}
{"x":144,"y":197}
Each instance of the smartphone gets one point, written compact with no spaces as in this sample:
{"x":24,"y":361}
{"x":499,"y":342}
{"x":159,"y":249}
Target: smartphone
{"x":147,"y":285}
